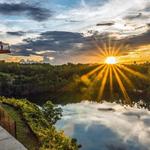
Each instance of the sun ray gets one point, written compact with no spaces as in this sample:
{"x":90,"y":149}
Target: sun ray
{"x":97,"y":55}
{"x":111,"y":81}
{"x":127,"y":99}
{"x":100,"y":74}
{"x":125,"y":77}
{"x":113,"y":49}
{"x":98,"y":47}
{"x":101,"y":49}
{"x":106,"y":49}
{"x":103,"y":83}
{"x":86,"y":78}
{"x":109,"y":46}
{"x":136,"y":73}
{"x":98,"y":77}
{"x":94,"y":71}
{"x":117,"y":50}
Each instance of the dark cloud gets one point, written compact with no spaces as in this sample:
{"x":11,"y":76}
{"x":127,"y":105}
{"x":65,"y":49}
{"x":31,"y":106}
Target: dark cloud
{"x":34,"y":12}
{"x":148,"y":24}
{"x":147,"y":8}
{"x":68,"y":41}
{"x":57,"y":41}
{"x":138,"y":16}
{"x":68,"y":45}
{"x":16,"y":33}
{"x":140,"y":27}
{"x":138,"y":40}
{"x":105,"y":24}
{"x":65,"y":44}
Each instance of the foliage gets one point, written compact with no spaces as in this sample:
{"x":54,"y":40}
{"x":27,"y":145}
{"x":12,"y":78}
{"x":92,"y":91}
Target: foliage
{"x":63,"y":84}
{"x":53,"y":114}
{"x":48,"y":137}
{"x":22,"y":129}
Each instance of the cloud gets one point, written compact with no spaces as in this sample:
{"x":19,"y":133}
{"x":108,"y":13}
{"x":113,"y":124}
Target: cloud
{"x":23,"y":21}
{"x":47,"y":59}
{"x":87,"y":3}
{"x":91,"y":13}
{"x":34,"y":12}
{"x":147,"y":8}
{"x":45,"y":52}
{"x":16,"y":33}
{"x":105,"y":24}
{"x":139,"y":16}
{"x":62,"y":46}
{"x":23,"y":59}
{"x":58,"y":41}
{"x":73,"y":46}
{"x":133,"y":16}
{"x":138,"y":40}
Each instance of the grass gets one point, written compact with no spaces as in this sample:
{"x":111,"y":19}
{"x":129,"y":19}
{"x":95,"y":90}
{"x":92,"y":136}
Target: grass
{"x":24,"y":134}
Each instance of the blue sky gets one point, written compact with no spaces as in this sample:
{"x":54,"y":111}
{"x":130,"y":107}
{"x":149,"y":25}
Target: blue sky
{"x":22,"y":20}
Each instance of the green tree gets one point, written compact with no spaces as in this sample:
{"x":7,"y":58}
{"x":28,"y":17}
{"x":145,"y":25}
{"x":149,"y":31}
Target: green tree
{"x":51,"y":112}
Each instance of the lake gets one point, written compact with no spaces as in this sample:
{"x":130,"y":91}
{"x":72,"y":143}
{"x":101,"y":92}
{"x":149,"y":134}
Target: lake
{"x":106,"y":126}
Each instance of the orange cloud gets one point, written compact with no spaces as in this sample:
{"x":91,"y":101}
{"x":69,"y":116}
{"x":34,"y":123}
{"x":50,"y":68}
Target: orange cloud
{"x":25,"y":58}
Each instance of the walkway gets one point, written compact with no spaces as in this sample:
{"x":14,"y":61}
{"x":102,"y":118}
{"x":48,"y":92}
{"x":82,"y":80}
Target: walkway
{"x":8,"y":142}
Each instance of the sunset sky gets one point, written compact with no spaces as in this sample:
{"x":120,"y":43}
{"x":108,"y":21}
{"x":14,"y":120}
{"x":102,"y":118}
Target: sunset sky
{"x":61,"y":31}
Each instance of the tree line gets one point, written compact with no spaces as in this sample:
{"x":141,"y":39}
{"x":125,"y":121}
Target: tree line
{"x":64,"y":83}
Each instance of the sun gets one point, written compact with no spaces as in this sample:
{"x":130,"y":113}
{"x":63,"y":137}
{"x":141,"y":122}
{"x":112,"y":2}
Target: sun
{"x":111,"y":60}
{"x":111,"y":71}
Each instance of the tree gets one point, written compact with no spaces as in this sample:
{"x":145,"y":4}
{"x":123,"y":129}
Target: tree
{"x":51,"y":112}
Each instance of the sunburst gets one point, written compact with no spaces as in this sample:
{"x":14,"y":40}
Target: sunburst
{"x":111,"y":60}
{"x":111,"y":69}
